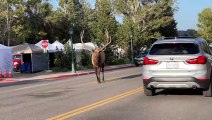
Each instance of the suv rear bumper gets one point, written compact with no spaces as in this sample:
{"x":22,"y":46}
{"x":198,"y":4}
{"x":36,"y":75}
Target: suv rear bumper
{"x":189,"y":82}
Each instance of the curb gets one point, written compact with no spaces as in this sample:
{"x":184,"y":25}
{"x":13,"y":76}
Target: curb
{"x":9,"y":81}
{"x":85,"y":73}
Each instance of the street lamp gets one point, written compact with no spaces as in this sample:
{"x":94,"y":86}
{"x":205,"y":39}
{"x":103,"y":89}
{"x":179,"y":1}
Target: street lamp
{"x":70,"y":32}
{"x":131,"y":46}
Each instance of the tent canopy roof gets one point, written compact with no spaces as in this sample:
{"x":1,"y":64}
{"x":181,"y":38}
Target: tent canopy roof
{"x":52,"y":48}
{"x":26,"y":49}
{"x":87,"y":46}
{"x":4,"y":47}
{"x":58,"y":46}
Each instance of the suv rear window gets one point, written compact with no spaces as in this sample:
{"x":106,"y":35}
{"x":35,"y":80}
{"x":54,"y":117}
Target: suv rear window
{"x":174,"y":49}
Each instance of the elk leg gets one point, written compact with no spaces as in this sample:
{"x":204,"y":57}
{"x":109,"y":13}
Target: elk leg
{"x":97,"y":77}
{"x":99,"y":74}
{"x":103,"y":73}
{"x":99,"y":71}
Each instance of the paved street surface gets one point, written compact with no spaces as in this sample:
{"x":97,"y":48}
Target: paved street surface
{"x":120,"y":97}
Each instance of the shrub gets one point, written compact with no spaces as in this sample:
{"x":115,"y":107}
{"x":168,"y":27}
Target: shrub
{"x":63,"y":60}
{"x":85,"y":58}
{"x":118,"y":61}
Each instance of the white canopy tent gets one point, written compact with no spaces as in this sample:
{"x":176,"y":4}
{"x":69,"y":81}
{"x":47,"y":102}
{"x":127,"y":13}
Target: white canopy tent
{"x":50,"y":47}
{"x":58,"y":46}
{"x":90,"y":46}
{"x":87,"y":46}
{"x":5,"y":59}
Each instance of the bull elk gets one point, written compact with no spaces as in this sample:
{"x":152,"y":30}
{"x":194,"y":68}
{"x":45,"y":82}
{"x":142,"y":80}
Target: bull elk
{"x":98,"y":57}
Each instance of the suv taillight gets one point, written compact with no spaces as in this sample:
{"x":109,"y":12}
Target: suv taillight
{"x":148,"y":61}
{"x":198,"y":60}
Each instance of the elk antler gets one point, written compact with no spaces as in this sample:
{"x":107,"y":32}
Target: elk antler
{"x":108,"y":38}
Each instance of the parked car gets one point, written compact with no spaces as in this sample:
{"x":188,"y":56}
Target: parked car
{"x":138,"y":60}
{"x":178,"y":63}
{"x":17,"y":59}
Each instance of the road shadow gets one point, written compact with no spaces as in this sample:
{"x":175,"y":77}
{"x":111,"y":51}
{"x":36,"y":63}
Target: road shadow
{"x":53,"y":93}
{"x":179,"y":92}
{"x":123,"y":78}
{"x":132,"y":76}
{"x":19,"y":83}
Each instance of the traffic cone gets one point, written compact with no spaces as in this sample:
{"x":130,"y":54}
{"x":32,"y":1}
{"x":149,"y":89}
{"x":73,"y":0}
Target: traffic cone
{"x":0,"y":74}
{"x":10,"y":74}
{"x":5,"y":73}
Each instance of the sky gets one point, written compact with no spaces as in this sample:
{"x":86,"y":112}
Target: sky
{"x":188,"y":10}
{"x":187,"y":14}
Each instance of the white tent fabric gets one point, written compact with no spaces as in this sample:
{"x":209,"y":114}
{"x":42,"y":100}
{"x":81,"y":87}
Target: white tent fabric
{"x":58,"y":46}
{"x":90,"y":46}
{"x":78,"y":47}
{"x":5,"y":59}
{"x":52,"y":48}
{"x":49,"y":48}
{"x":87,"y":46}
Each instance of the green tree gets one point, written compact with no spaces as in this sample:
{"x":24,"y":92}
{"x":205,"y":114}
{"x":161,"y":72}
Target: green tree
{"x":6,"y":19}
{"x":145,"y":19}
{"x":69,"y":15}
{"x":205,"y":24}
{"x":30,"y":24}
{"x":85,"y":21}
{"x":103,"y":20}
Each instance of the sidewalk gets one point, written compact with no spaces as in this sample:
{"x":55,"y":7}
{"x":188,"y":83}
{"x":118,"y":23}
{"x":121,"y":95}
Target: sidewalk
{"x":55,"y":75}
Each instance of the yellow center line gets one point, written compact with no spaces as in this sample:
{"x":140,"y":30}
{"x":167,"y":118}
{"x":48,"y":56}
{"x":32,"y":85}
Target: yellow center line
{"x":95,"y":105}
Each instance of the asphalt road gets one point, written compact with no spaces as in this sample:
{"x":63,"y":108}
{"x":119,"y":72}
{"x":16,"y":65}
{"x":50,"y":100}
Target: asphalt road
{"x":120,"y":97}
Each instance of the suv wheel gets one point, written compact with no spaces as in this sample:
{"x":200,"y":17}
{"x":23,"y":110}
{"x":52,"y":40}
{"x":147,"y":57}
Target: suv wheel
{"x":149,"y":92}
{"x":208,"y":93}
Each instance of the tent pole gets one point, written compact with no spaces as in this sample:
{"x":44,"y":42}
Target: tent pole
{"x":31,"y":63}
{"x":48,"y":58}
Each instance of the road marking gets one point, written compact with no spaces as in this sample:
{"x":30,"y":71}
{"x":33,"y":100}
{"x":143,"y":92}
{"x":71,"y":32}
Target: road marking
{"x":95,"y":105}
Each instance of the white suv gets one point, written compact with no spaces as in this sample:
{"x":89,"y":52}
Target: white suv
{"x":178,"y":63}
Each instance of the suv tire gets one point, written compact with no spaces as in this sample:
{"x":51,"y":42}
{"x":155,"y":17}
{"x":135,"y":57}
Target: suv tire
{"x":208,"y":93}
{"x":149,"y":92}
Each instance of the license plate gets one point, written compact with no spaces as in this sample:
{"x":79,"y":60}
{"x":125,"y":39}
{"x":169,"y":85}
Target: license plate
{"x":172,"y":65}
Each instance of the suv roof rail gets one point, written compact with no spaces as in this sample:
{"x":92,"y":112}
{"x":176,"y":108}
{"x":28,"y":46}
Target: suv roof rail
{"x":187,"y":37}
{"x":162,"y":38}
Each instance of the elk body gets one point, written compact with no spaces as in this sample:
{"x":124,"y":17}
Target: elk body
{"x":98,"y":61}
{"x":98,"y":57}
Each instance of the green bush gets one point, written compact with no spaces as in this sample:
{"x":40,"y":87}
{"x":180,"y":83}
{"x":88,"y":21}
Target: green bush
{"x":80,"y":67}
{"x":118,"y":61}
{"x":56,"y":69}
{"x":59,"y":69}
{"x":63,"y":60}
{"x":85,"y":58}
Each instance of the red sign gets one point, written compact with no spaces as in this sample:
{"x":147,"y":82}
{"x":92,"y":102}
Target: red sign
{"x":44,"y":43}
